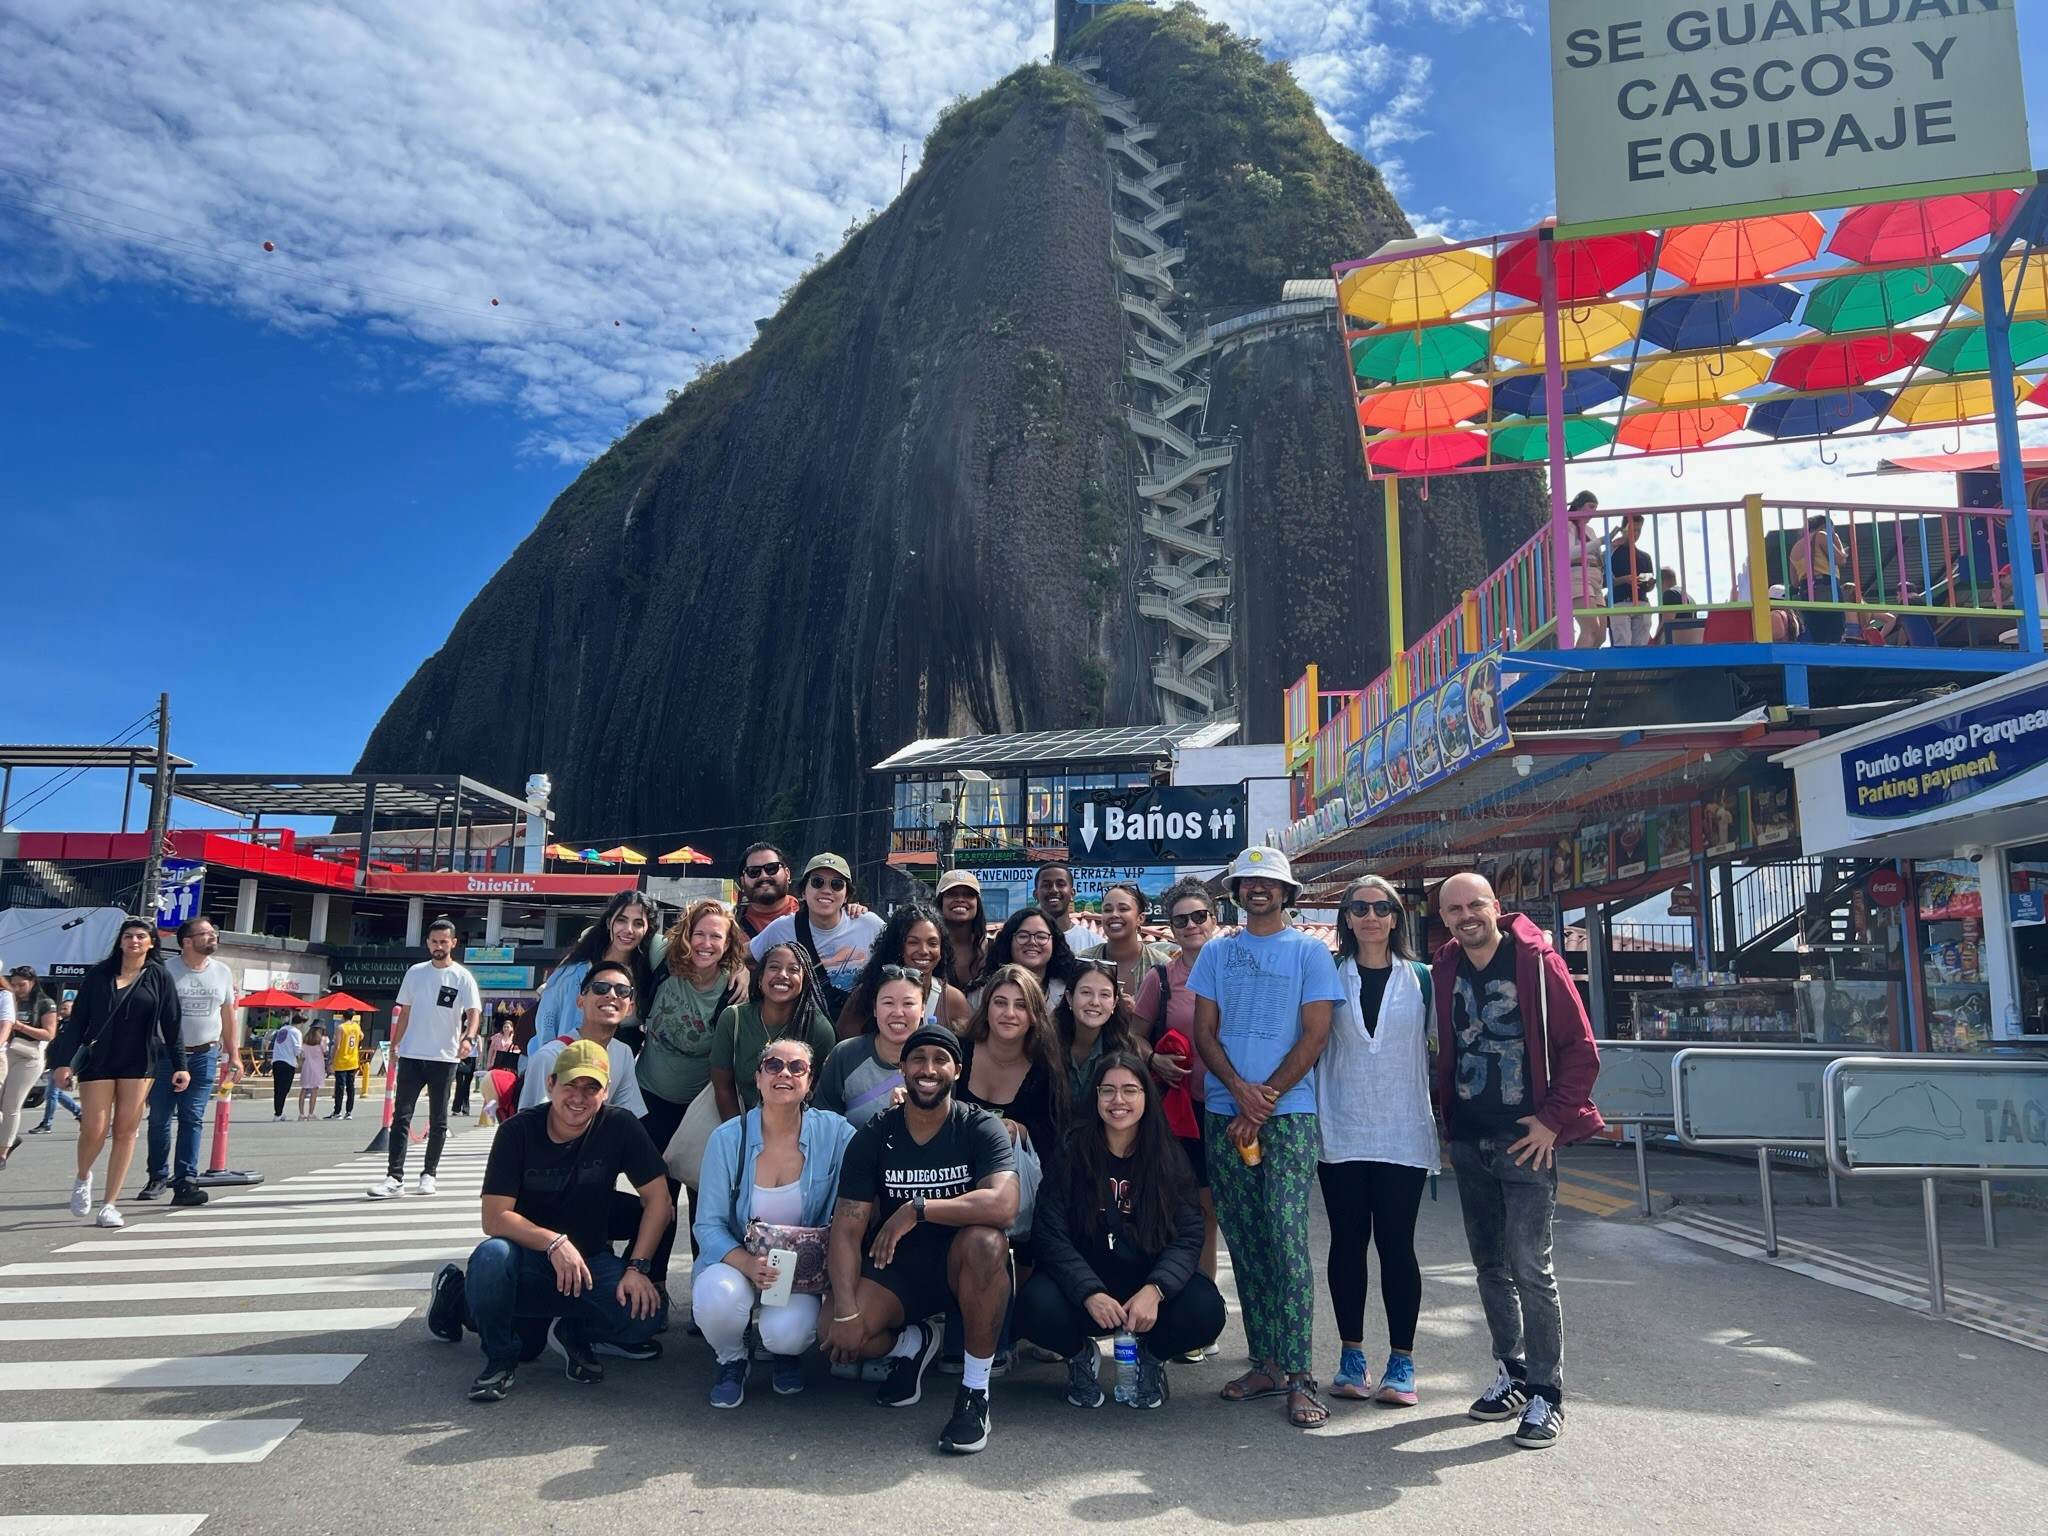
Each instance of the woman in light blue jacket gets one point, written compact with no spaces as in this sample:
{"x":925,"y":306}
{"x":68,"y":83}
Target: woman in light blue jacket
{"x":778,"y":1164}
{"x":623,"y":934}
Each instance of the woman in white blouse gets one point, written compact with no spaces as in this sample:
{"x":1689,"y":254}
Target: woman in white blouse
{"x":1379,"y":1142}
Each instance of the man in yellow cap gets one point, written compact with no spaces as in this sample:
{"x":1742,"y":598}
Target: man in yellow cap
{"x":545,"y":1276}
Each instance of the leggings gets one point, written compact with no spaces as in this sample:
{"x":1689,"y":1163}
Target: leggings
{"x":21,"y":1066}
{"x":1376,"y":1203}
{"x":1264,"y":1215}
{"x":345,"y":1091}
{"x":1192,"y":1318}
{"x":281,"y":1075}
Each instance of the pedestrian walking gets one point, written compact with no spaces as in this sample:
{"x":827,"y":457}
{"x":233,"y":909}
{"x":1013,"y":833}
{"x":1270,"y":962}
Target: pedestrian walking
{"x":286,"y":1046}
{"x":347,"y":1061}
{"x":465,"y":1069}
{"x":55,"y":1096}
{"x":312,"y":1071}
{"x":127,"y":1015}
{"x":28,"y":1022}
{"x":437,"y":1001}
{"x":1263,"y":997}
{"x":1379,"y":1142}
{"x":1515,"y":1070}
{"x":208,"y":1025}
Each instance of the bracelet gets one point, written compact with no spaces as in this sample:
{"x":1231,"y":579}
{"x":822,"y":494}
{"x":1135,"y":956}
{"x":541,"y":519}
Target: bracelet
{"x":549,"y":1251}
{"x":851,"y":1316}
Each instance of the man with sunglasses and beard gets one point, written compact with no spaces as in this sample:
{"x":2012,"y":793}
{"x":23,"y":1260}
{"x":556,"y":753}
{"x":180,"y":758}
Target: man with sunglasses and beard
{"x":764,"y":888}
{"x":605,"y":1002}
{"x":836,"y":941}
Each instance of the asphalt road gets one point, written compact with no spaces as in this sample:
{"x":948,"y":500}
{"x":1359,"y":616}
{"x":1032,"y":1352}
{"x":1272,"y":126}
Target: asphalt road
{"x":1704,"y":1392}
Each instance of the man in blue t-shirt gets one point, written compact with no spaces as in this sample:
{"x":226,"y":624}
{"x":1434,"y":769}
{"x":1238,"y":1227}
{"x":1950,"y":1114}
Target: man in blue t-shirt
{"x":1262,"y":1015}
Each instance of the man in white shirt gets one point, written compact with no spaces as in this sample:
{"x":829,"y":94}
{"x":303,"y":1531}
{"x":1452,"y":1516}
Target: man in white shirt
{"x":437,"y":1001}
{"x":605,"y":1002}
{"x":837,"y":943}
{"x":206,"y":1007}
{"x":1052,"y":888}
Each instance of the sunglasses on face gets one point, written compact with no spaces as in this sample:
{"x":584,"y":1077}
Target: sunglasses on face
{"x":1371,"y":908}
{"x":622,"y":990}
{"x":1189,"y":919}
{"x":908,"y":973}
{"x":827,"y":883}
{"x":759,"y":871}
{"x":776,"y":1066}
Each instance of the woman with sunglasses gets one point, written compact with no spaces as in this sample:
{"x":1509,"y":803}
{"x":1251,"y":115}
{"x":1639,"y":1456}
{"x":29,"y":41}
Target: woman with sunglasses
{"x":1028,"y":938}
{"x":623,"y":934}
{"x":864,"y":1076}
{"x":1123,"y":940}
{"x":836,"y":941}
{"x":777,"y":1164}
{"x":1165,"y":1009}
{"x":1119,"y":1235}
{"x":1379,"y":1141}
{"x":912,"y":940}
{"x":783,"y":1009}
{"x":1094,"y":1020}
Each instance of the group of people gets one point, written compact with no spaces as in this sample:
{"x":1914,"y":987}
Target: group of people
{"x":910,"y":1140}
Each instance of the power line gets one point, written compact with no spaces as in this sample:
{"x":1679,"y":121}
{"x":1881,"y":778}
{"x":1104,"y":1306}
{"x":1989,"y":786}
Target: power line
{"x":61,"y":780}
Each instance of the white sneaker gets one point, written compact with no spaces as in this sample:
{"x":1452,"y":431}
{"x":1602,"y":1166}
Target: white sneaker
{"x":81,"y":1196}
{"x":109,"y":1217}
{"x":386,"y":1188}
{"x":427,"y":1184}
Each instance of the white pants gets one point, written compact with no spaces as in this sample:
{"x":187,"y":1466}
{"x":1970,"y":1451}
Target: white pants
{"x":721,"y":1301}
{"x":21,"y":1067}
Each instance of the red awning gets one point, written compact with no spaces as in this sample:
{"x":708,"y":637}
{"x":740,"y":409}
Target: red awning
{"x":1955,"y":463}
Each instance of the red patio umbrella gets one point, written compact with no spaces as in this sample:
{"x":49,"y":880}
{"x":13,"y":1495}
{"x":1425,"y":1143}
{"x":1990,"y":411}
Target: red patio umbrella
{"x":1730,"y":251}
{"x":1920,"y":228}
{"x":1420,"y":455}
{"x":1693,"y":427}
{"x":1845,"y":364}
{"x":341,"y":1002}
{"x":1586,"y":269}
{"x":274,"y":997}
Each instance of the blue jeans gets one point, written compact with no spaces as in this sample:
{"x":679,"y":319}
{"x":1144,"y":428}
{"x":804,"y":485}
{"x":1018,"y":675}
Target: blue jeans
{"x":1509,"y":1209}
{"x":203,"y":1062}
{"x":507,"y":1284}
{"x":56,"y":1096}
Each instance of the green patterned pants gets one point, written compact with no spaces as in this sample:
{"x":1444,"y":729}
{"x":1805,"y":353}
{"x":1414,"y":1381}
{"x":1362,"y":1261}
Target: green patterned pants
{"x":1264,"y":1215}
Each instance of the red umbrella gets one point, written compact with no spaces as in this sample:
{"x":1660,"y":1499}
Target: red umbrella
{"x":1845,"y":364}
{"x":1731,"y":251}
{"x":1693,"y":427}
{"x":274,"y":997}
{"x":1920,"y":228}
{"x":1424,"y":407}
{"x":341,"y":1002}
{"x":1421,"y":455}
{"x":1586,"y":269}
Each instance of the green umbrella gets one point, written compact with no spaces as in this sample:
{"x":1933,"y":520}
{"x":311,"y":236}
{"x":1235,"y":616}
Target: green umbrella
{"x":1877,"y":301}
{"x":1530,"y":441}
{"x":1963,"y":350}
{"x":1402,"y":357}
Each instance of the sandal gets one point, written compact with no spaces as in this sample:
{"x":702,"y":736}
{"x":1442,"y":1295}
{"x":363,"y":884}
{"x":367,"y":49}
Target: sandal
{"x":1254,"y":1383}
{"x":1305,"y":1410}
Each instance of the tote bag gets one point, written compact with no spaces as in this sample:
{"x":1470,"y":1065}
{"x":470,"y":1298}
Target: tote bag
{"x":685,"y":1151}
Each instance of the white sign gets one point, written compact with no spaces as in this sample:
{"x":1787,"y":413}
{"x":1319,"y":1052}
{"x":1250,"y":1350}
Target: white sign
{"x":1667,"y":112}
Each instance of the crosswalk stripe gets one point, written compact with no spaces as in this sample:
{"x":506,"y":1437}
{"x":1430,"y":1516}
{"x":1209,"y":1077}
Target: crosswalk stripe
{"x":155,"y":1266}
{"x":206,"y":1290}
{"x":262,"y":1240}
{"x":100,"y":1525}
{"x":271,"y":1221}
{"x":167,"y":1371}
{"x":139,"y":1442}
{"x":20,"y":1330}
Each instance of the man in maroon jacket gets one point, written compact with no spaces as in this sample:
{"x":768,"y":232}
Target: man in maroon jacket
{"x":1514,"y":1081}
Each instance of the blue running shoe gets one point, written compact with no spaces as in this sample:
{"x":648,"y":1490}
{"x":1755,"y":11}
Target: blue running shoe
{"x":730,"y":1390}
{"x":1352,"y":1378}
{"x":787,"y":1374}
{"x":1397,"y":1382}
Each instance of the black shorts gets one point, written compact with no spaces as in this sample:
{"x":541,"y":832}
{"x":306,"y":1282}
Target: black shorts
{"x":916,"y":1277}
{"x":1198,"y":1158}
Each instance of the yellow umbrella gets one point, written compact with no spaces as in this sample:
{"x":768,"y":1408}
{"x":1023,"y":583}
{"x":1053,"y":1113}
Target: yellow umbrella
{"x":684,"y":855}
{"x":1951,"y":400}
{"x":1700,"y":380}
{"x":2033,"y":291}
{"x":1584,"y":332}
{"x":623,"y":855}
{"x":563,"y":851}
{"x":1415,"y":289}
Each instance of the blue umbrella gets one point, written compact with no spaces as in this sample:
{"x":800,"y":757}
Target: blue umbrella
{"x":1583,"y":387}
{"x":1696,"y":320}
{"x":1813,"y":418}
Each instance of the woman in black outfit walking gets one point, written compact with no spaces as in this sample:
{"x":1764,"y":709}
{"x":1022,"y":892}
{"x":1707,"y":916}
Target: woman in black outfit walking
{"x":126,"y":1011}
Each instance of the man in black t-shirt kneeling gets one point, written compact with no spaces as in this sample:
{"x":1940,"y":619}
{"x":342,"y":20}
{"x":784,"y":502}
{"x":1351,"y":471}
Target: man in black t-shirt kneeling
{"x":545,"y":1277}
{"x":927,"y":1193}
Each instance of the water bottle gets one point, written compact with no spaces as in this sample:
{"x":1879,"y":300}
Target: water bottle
{"x":1126,"y":1367}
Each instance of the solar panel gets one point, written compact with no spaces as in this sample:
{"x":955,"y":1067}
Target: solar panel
{"x":1097,"y":744}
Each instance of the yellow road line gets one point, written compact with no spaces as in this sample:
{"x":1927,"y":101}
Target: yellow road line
{"x":1608,"y":1178}
{"x":1595,"y":1202}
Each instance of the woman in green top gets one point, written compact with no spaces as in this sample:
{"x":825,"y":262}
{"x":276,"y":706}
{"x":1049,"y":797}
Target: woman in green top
{"x":784,"y":1010}
{"x":707,"y":956}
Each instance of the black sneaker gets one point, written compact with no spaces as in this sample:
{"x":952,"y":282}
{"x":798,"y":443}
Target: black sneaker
{"x":1542,"y":1422}
{"x":1084,"y":1377}
{"x":1152,"y":1389}
{"x":152,"y":1189}
{"x":650,"y":1350}
{"x":187,"y":1193}
{"x":906,"y":1373}
{"x":1503,"y":1400}
{"x":448,"y":1304}
{"x":494,"y":1382}
{"x":578,"y":1363}
{"x":967,"y":1431}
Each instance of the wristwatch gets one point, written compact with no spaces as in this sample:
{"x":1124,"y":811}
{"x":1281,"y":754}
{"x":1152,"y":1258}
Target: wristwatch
{"x":645,"y":1266}
{"x":917,"y":1205}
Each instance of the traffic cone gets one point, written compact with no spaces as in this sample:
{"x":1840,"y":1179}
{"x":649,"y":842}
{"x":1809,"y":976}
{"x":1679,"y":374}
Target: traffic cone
{"x":218,"y":1172}
{"x":381,"y":1142}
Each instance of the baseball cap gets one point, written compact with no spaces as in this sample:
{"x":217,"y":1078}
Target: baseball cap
{"x":22,"y":970}
{"x":934,"y":1034}
{"x":953,"y":879}
{"x":828,"y":861}
{"x":582,"y":1058}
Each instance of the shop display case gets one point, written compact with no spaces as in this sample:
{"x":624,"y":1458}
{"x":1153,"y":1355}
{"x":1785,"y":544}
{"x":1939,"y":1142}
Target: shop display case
{"x":1753,"y":1012}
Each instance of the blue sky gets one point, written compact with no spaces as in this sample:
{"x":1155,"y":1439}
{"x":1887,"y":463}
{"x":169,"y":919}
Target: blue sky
{"x":268,"y":482}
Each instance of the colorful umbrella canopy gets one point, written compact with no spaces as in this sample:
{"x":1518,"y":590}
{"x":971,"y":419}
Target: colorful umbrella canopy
{"x":1877,"y":301}
{"x":1433,"y":352}
{"x":1845,"y":364}
{"x":1413,"y":289}
{"x":1424,"y":407}
{"x":1699,"y":380}
{"x":1921,"y":228}
{"x":623,"y":855}
{"x":1421,"y":455}
{"x":1741,"y":250}
{"x":1529,"y":441}
{"x":1694,"y":320}
{"x":1665,"y":431}
{"x":2026,"y":294}
{"x":1949,"y":400}
{"x":1964,"y":350}
{"x":1812,"y":418}
{"x":684,"y":855}
{"x":340,"y":1002}
{"x":1522,"y":395}
{"x":274,"y":997}
{"x":562,"y":851}
{"x":1582,"y":333}
{"x":1586,"y":269}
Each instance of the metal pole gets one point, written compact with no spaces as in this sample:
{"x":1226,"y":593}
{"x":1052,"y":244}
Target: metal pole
{"x":159,"y":809}
{"x":1397,"y":628}
{"x":1990,"y":1214}
{"x":6,"y":794}
{"x":1834,"y":1183}
{"x":1763,"y":1173}
{"x":128,"y":795}
{"x":1563,"y":579}
{"x":2005,"y":423}
{"x":1642,"y":1171}
{"x":364,"y":836}
{"x":1937,"y":1297}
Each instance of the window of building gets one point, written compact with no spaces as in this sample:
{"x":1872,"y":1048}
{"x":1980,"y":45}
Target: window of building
{"x":2027,"y":868}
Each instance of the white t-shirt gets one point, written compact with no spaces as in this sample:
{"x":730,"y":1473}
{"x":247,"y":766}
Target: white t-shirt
{"x":842,"y":949}
{"x":7,"y":1010}
{"x":1083,"y":940}
{"x":201,"y":996}
{"x":624,"y":1090}
{"x":435,"y":999}
{"x":284,"y":1045}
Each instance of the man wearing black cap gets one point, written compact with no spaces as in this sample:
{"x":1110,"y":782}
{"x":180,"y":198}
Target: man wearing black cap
{"x":927,"y":1193}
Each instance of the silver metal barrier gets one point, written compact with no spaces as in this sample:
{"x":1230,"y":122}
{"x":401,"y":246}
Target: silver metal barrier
{"x":1634,"y":1090}
{"x":1749,"y":1098}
